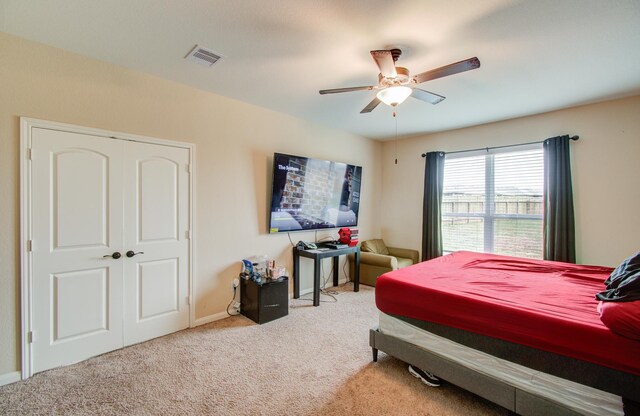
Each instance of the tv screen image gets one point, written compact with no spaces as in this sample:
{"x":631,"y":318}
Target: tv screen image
{"x":311,"y":194}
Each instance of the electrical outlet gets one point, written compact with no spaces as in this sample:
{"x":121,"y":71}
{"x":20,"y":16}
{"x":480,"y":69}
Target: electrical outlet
{"x":236,"y":283}
{"x":236,"y":305}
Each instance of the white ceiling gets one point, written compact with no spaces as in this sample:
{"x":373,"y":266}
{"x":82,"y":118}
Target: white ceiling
{"x":536,"y":55}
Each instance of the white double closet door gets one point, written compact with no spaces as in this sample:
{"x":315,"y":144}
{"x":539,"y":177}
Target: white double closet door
{"x":110,"y":252}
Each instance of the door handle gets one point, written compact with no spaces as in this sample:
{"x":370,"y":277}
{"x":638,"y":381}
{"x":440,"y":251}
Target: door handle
{"x":131,"y":253}
{"x":114,"y":256}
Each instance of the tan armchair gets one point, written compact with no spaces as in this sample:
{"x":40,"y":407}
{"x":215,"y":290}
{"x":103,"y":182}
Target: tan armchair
{"x":376,"y":259}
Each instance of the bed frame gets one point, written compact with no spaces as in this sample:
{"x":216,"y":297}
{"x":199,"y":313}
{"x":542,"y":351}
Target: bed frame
{"x":500,"y":392}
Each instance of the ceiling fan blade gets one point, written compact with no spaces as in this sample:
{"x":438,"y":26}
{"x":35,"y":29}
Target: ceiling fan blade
{"x":385,"y":63}
{"x":369,"y":108}
{"x":444,"y":71}
{"x":427,"y":96}
{"x":348,"y":89}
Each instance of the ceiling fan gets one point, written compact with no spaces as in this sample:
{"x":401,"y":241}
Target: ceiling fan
{"x":395,"y":84}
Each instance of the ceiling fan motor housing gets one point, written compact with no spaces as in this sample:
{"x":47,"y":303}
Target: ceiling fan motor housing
{"x":395,"y":54}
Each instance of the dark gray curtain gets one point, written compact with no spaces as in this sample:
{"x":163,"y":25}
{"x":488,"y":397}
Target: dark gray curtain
{"x":559,"y":229}
{"x":431,"y":215}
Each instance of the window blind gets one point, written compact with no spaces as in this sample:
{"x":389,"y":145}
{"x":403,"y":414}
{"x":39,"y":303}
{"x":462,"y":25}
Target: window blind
{"x":493,"y":203}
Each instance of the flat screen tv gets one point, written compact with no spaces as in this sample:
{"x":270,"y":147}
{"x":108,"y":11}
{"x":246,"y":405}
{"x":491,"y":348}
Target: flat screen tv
{"x":312,"y":194}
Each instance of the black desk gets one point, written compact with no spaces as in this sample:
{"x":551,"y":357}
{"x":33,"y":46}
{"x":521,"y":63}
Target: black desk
{"x":320,"y":254}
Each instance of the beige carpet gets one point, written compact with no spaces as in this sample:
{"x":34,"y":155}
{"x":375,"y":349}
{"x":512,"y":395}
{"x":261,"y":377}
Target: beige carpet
{"x":315,"y":361}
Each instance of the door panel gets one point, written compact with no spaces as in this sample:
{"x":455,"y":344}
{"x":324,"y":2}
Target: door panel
{"x":154,"y":274}
{"x":76,"y":220}
{"x":80,"y":304}
{"x":158,"y":200}
{"x":156,"y":220}
{"x":79,"y":201}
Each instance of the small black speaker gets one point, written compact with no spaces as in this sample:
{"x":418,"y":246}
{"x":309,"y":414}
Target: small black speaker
{"x":264,"y":302}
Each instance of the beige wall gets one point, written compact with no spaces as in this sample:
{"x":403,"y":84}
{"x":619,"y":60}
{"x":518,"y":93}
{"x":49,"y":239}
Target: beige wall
{"x":605,"y":174}
{"x":234,"y":141}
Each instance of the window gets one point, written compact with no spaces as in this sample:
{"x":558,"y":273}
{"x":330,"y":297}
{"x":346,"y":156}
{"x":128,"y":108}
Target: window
{"x":493,"y":203}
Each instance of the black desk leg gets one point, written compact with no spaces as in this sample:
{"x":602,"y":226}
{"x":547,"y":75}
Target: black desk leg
{"x":356,"y":271}
{"x":316,"y":282}
{"x":296,"y":273}
{"x":335,"y":270}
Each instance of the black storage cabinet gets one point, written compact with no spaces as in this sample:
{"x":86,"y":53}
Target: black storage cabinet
{"x":264,"y":302}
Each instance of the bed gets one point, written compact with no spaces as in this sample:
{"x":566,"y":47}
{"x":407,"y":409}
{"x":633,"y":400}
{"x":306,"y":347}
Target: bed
{"x":522,"y":333}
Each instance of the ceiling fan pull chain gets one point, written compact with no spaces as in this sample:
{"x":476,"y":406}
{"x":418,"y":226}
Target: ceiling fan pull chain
{"x":396,"y":141}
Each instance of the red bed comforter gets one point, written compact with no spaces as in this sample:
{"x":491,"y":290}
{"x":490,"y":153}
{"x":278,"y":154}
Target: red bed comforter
{"x":542,"y":304}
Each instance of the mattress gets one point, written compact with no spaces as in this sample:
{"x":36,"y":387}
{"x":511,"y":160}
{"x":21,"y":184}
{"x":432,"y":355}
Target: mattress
{"x":546,"y":305}
{"x":582,"y":399}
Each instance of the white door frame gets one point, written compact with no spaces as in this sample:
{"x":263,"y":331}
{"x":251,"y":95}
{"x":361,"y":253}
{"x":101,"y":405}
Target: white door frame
{"x":26,"y":266}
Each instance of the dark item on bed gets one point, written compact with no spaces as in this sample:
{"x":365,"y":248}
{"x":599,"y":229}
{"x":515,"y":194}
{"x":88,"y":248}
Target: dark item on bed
{"x":623,"y":285}
{"x":540,"y":314}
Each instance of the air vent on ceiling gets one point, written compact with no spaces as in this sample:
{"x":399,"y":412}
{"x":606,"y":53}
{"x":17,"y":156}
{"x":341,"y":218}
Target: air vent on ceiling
{"x":203,"y":56}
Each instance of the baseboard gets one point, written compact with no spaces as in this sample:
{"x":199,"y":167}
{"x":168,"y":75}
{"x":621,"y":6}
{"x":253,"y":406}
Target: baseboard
{"x":9,"y":378}
{"x":210,"y":318}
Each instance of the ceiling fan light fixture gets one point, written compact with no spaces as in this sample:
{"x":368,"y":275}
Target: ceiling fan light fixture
{"x":393,"y":96}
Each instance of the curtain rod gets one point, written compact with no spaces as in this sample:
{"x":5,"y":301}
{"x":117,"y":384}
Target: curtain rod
{"x":498,"y":147}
